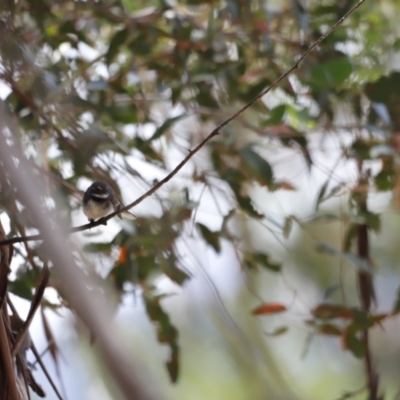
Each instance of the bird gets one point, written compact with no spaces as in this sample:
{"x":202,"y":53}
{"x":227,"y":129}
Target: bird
{"x":100,"y":200}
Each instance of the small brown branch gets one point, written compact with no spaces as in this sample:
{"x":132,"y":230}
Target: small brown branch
{"x":214,"y":133}
{"x":366,"y":286}
{"x":7,"y":361}
{"x":35,"y":303}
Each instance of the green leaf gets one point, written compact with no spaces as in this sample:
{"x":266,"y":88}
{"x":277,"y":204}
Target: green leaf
{"x":165,"y":126}
{"x":116,"y":42}
{"x":373,"y":221}
{"x":299,"y":118}
{"x":169,"y":267}
{"x":275,"y":116}
{"x":331,"y":73}
{"x":361,"y":321}
{"x":257,"y":164}
{"x":252,"y":260}
{"x":396,"y":306}
{"x":322,"y":196}
{"x":21,"y":287}
{"x":287,"y":227}
{"x":326,"y":248}
{"x":329,"y":329}
{"x":147,"y":150}
{"x":278,"y":331}
{"x":124,"y":114}
{"x":204,"y":97}
{"x":98,"y":247}
{"x":298,"y":141}
{"x":331,"y":290}
{"x":385,"y":179}
{"x":245,"y":202}
{"x":350,"y":235}
{"x":355,"y":345}
{"x":211,"y":237}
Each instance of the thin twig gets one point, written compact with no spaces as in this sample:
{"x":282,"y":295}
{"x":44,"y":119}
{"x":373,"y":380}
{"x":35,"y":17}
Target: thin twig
{"x":215,"y":132}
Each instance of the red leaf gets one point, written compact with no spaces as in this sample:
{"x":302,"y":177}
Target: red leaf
{"x":286,"y":185}
{"x":122,"y":255}
{"x":281,"y":130}
{"x":269,"y":308}
{"x":327,"y":311}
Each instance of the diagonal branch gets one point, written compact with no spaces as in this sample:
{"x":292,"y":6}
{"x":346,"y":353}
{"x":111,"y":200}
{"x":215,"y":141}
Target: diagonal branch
{"x":215,"y":132}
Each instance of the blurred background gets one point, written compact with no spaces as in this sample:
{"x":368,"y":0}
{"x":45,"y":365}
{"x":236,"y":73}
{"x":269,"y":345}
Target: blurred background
{"x":239,"y":277}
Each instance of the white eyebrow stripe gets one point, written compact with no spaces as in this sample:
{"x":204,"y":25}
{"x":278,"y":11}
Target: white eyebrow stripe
{"x":100,"y":196}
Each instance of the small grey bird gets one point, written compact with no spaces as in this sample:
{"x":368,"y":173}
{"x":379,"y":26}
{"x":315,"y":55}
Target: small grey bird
{"x":100,"y":200}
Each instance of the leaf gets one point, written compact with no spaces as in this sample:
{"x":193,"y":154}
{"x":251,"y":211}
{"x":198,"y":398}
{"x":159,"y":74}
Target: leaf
{"x":21,"y":288}
{"x":329,"y":311}
{"x":204,"y":97}
{"x":373,"y":221}
{"x":297,"y":140}
{"x":166,"y":332}
{"x":278,"y":331}
{"x":385,"y":179}
{"x":263,"y":260}
{"x":165,"y":126}
{"x":385,"y":91}
{"x":331,"y":290}
{"x":285,"y":185}
{"x":147,"y":150}
{"x":168,"y":266}
{"x":396,"y":306}
{"x":104,"y":247}
{"x":123,"y":254}
{"x":321,"y":194}
{"x":350,"y":235}
{"x":269,"y":308}
{"x":331,"y":73}
{"x":287,"y":227}
{"x":246,"y":204}
{"x":326,"y":248}
{"x":362,"y":320}
{"x":212,"y":238}
{"x":116,"y":42}
{"x":354,"y":344}
{"x":329,"y":329}
{"x":299,"y":118}
{"x":257,"y":163}
{"x":123,"y":113}
{"x":275,"y":116}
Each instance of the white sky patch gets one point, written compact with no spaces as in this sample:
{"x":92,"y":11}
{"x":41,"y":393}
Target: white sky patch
{"x":5,"y":90}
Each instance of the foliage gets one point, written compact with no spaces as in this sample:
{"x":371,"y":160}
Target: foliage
{"x":119,"y":91}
